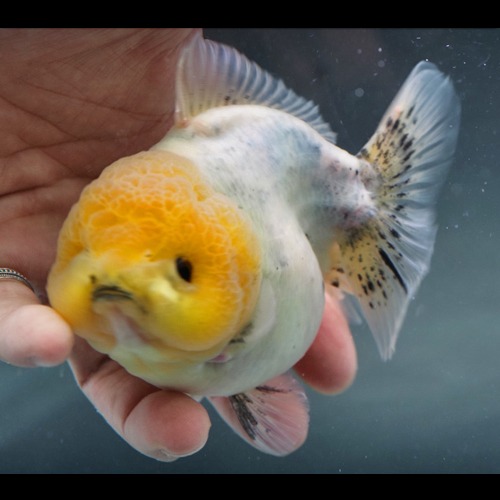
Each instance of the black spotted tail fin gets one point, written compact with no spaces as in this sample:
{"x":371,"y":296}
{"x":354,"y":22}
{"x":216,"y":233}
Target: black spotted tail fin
{"x":383,"y":262}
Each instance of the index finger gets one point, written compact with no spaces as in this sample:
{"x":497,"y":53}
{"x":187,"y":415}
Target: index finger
{"x":31,"y":334}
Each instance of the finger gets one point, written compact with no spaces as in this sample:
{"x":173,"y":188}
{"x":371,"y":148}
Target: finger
{"x":167,"y":425}
{"x":330,"y":364}
{"x":31,"y":334}
{"x":161,"y":424}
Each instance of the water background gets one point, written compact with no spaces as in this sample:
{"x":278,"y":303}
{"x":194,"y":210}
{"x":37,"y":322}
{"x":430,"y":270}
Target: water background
{"x":435,"y":407}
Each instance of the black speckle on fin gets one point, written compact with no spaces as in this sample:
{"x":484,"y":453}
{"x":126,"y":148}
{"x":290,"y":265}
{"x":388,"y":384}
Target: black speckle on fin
{"x":241,"y":404}
{"x":388,"y":262}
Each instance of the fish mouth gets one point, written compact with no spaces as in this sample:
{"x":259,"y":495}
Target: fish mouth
{"x":108,"y":301}
{"x":110,"y":293}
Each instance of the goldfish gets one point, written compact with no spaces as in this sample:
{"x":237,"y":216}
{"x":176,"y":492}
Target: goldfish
{"x":201,"y":264}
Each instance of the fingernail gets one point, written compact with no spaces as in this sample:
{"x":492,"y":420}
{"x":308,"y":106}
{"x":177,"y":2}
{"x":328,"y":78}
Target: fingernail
{"x":42,"y":363}
{"x":33,"y":362}
{"x":166,"y":456}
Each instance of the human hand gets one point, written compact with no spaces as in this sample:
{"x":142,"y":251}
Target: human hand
{"x":71,"y":103}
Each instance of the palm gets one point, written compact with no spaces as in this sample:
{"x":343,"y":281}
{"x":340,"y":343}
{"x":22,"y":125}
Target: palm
{"x":73,"y":101}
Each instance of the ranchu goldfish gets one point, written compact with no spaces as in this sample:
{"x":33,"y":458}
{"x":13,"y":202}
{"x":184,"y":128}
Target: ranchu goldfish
{"x":201,"y":264}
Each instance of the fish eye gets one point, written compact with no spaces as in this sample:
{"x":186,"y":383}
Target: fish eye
{"x":184,"y":268}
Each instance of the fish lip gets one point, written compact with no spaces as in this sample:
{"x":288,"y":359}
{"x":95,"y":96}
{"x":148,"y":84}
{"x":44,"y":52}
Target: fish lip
{"x":110,"y":293}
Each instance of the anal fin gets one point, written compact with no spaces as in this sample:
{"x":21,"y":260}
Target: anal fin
{"x":273,"y":417}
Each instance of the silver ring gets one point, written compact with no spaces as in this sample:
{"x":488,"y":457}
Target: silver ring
{"x":10,"y":274}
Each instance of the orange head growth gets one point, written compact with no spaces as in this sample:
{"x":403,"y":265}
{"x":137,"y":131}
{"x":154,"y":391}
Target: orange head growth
{"x":152,"y":247}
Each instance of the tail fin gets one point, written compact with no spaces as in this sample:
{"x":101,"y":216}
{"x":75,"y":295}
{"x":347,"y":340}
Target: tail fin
{"x":383,"y":262}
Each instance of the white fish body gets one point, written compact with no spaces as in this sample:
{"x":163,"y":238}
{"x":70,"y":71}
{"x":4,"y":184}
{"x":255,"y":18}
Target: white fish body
{"x":272,"y":163}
